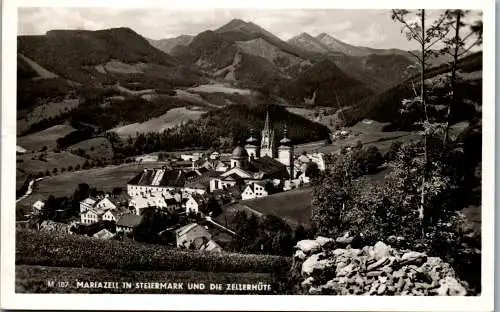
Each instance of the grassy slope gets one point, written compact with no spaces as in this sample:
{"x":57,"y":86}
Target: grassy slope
{"x":172,"y":118}
{"x":101,"y":178}
{"x":96,"y":148}
{"x":47,"y":137}
{"x":52,"y":160}
{"x":294,"y":207}
{"x":50,"y":108}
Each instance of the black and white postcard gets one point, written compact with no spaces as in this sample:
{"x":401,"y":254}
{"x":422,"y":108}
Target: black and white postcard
{"x":248,"y":156}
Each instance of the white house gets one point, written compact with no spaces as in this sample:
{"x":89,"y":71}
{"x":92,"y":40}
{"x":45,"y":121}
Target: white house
{"x":111,"y":215}
{"x":91,"y":216}
{"x":194,"y":203}
{"x":139,"y":203}
{"x":253,"y":190}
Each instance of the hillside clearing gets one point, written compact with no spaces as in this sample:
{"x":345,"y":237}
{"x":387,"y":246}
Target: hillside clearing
{"x":294,"y":207}
{"x":40,"y":162}
{"x":194,"y":98}
{"x":96,"y":148}
{"x":41,"y":71}
{"x":219,"y":87}
{"x":47,"y":137}
{"x":44,"y":111}
{"x":102,"y":178}
{"x":170,"y":119}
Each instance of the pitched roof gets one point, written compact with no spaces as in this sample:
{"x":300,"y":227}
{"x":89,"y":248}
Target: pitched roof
{"x":89,"y":201}
{"x":160,"y":177}
{"x":202,"y":181}
{"x":129,"y":220}
{"x":270,"y":167}
{"x":103,"y":234}
{"x":186,"y":229}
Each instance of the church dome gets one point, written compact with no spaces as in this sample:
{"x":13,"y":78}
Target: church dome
{"x":251,"y":141}
{"x":239,"y":152}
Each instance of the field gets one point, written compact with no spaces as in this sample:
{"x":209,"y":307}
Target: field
{"x":193,"y":98}
{"x":42,"y":256}
{"x":96,"y":148}
{"x":219,"y":87}
{"x":31,"y":163}
{"x":46,"y":110}
{"x":102,"y":178}
{"x":368,"y":132}
{"x":41,"y":72}
{"x":294,"y":207}
{"x":170,"y":119}
{"x":47,"y":137}
{"x":33,"y":279}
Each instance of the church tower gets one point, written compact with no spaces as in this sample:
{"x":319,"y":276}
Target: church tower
{"x":267,"y":141}
{"x":285,"y":153}
{"x":251,"y":146}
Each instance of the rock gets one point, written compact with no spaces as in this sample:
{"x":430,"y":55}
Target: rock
{"x":423,"y":275}
{"x":322,"y":241}
{"x":353,"y":252}
{"x":345,"y":270}
{"x":344,"y":240}
{"x":313,"y":263}
{"x":314,"y":291}
{"x":338,"y":252}
{"x":373,"y":273}
{"x":387,"y":269}
{"x":377,"y":264}
{"x":308,"y":246}
{"x":299,"y":254}
{"x":381,"y":289}
{"x":382,"y":279}
{"x":400,"y":285}
{"x":414,"y":257}
{"x":450,"y":287}
{"x":381,"y":250}
{"x":307,"y":282}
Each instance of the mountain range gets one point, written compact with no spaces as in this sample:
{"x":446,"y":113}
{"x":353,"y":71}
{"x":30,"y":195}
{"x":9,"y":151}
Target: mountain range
{"x":119,"y":63}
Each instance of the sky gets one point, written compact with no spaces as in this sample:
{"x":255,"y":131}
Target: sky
{"x":372,"y":28}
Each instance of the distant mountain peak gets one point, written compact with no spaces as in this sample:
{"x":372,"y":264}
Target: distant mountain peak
{"x":308,"y":43}
{"x":234,"y":24}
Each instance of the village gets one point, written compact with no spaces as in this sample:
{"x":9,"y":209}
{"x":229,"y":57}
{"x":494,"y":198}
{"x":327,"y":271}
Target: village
{"x":184,"y":195}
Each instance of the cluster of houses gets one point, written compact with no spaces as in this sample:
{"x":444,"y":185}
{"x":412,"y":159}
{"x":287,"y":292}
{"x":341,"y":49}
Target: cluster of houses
{"x":251,"y":171}
{"x":254,"y":168}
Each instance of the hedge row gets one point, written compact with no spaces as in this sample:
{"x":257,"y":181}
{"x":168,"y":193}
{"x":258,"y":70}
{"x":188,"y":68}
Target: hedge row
{"x":64,"y":250}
